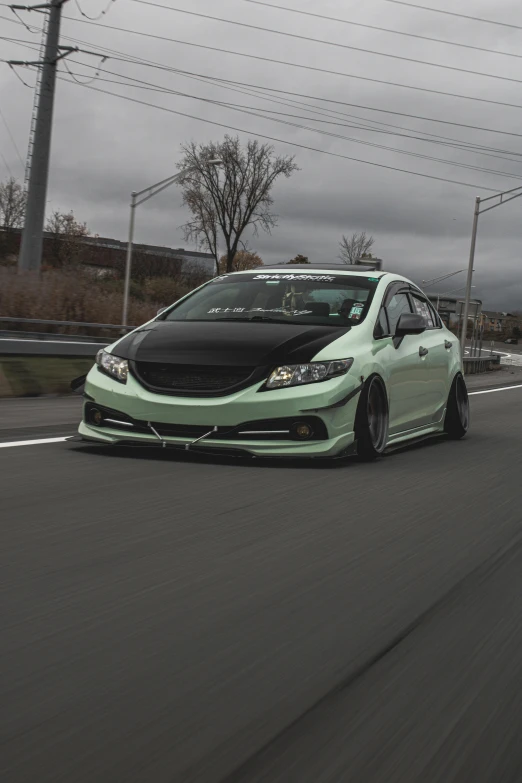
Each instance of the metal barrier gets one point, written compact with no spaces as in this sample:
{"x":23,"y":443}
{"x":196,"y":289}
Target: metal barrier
{"x":478,"y":364}
{"x":81,"y":324}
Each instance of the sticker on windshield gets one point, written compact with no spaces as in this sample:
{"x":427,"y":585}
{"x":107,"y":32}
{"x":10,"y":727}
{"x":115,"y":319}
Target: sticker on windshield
{"x":258,"y":310}
{"x":316,"y":278}
{"x":356,"y":311}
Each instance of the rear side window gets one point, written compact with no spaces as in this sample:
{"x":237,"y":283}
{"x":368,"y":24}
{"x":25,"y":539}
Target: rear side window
{"x":398,"y":304}
{"x":422,"y":308}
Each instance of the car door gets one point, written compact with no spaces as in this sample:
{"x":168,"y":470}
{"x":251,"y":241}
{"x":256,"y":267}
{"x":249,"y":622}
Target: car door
{"x":407,"y":367}
{"x":439,"y":345}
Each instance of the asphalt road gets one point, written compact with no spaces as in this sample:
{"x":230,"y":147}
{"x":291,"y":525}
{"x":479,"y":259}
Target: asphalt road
{"x":173,"y":619}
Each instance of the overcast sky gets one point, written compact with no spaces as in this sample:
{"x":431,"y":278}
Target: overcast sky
{"x":104,"y":147}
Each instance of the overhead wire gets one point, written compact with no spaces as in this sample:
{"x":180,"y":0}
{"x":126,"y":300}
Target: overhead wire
{"x":6,"y":164}
{"x":437,"y":139}
{"x":301,"y":66}
{"x":13,"y":141}
{"x":134,"y":59}
{"x":309,"y":39}
{"x":309,"y":68}
{"x":254,"y":111}
{"x":454,"y":13}
{"x":290,"y":143}
{"x":440,"y":140}
{"x":255,"y":92}
{"x":99,"y":16}
{"x":404,"y":33}
{"x":335,"y":135}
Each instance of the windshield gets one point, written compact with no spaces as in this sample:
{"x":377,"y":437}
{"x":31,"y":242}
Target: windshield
{"x":315,"y":299}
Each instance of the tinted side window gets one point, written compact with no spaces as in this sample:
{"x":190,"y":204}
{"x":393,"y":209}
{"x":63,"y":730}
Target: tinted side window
{"x":398,"y":304}
{"x":422,"y":308}
{"x":435,"y":316}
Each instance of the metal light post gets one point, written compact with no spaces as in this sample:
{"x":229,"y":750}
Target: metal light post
{"x":478,"y":211}
{"x":137,"y":198}
{"x":444,"y":277}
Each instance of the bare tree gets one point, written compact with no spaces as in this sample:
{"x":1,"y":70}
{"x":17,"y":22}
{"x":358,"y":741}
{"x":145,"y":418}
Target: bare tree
{"x":243,"y":260}
{"x":66,"y":238}
{"x":355,"y":248}
{"x":12,"y":204}
{"x":238,"y":195}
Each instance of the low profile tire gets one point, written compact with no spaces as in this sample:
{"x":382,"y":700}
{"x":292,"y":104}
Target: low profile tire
{"x":456,"y":423}
{"x":371,"y":420}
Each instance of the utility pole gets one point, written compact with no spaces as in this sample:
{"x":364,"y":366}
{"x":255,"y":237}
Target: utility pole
{"x":510,"y":194}
{"x":30,"y":257}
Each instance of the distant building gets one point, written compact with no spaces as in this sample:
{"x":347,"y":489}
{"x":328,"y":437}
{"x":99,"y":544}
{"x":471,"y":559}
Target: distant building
{"x":106,"y":256}
{"x":451,"y":309}
{"x":498,"y":322}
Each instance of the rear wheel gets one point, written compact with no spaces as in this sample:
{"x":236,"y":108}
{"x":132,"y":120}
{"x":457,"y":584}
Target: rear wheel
{"x":456,"y":423}
{"x":371,"y":421}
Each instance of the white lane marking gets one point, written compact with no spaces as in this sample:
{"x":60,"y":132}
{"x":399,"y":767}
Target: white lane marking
{"x":33,"y":442}
{"x":490,"y":391}
{"x":69,"y":437}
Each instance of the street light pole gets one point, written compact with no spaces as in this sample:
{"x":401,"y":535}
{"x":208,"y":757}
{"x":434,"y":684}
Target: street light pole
{"x":513,"y":193}
{"x":128,"y":259}
{"x":137,"y":198}
{"x":464,"y":331}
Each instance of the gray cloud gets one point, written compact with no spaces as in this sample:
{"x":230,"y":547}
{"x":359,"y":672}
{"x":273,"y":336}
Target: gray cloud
{"x":104,"y":147}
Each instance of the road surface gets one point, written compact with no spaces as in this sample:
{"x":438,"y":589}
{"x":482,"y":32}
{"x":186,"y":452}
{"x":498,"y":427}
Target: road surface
{"x":173,"y":619}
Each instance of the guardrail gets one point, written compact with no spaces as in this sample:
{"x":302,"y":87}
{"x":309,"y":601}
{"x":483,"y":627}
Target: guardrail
{"x":81,"y":324}
{"x":73,"y":342}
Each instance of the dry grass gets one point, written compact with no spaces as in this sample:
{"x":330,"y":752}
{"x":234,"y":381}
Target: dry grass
{"x":72,"y":295}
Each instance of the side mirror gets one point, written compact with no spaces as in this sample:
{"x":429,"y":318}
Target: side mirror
{"x":410,"y":323}
{"x":161,"y":310}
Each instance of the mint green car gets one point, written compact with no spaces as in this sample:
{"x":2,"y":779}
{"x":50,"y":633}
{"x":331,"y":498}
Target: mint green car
{"x":284,"y":361}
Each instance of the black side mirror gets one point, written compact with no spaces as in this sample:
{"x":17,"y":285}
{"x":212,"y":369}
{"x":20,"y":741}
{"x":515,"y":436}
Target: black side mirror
{"x":410,"y":323}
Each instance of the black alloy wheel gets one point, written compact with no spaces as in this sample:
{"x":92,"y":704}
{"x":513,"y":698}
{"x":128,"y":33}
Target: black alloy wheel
{"x":456,"y":423}
{"x":371,"y":421}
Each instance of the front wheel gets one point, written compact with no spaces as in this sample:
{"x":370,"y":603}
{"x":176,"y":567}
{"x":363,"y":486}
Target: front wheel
{"x":456,"y":423}
{"x":371,"y":420}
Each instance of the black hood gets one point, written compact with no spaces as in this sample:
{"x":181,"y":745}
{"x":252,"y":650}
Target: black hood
{"x":226,"y":343}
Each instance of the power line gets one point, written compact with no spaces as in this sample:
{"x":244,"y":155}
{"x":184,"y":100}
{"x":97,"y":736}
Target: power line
{"x":94,"y":18}
{"x":255,"y":92}
{"x":11,"y":137}
{"x":284,"y":141}
{"x":309,"y":39}
{"x":453,"y":13}
{"x":6,"y":164}
{"x":136,"y":60}
{"x":458,"y":145}
{"x":384,"y":29}
{"x":254,"y":111}
{"x":299,"y":65}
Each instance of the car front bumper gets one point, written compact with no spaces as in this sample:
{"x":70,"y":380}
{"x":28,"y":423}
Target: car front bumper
{"x":247,"y":405}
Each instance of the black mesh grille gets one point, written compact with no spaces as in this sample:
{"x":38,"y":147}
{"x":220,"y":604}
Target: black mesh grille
{"x":191,"y":378}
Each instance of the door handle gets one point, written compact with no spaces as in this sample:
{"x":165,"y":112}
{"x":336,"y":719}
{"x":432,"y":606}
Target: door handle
{"x":447,"y":344}
{"x":423,"y":351}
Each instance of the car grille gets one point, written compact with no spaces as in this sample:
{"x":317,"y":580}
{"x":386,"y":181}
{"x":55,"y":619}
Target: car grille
{"x":191,"y":378}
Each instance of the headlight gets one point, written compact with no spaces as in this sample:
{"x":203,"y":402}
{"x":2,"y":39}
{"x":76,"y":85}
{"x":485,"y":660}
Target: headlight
{"x":112,"y":365}
{"x":297,"y":374}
